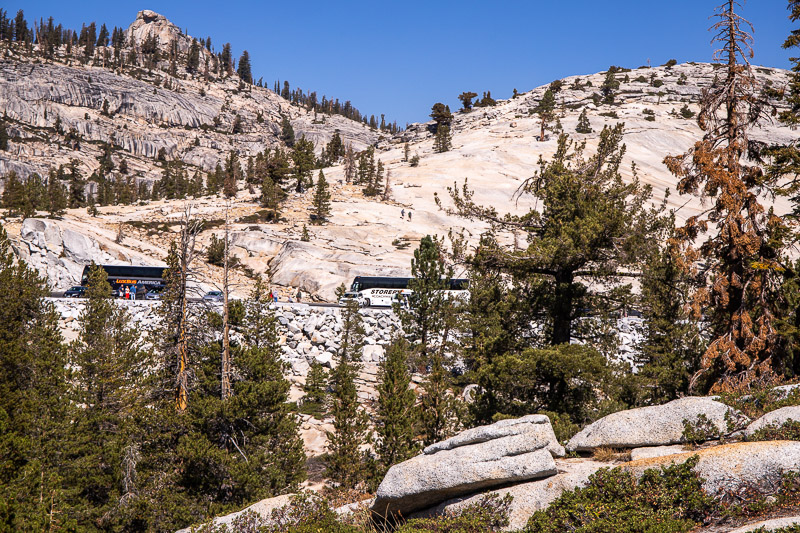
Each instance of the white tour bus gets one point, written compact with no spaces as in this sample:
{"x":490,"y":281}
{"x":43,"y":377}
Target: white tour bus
{"x":384,"y":291}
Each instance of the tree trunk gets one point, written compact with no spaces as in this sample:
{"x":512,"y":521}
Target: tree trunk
{"x":562,"y":308}
{"x":226,"y":337}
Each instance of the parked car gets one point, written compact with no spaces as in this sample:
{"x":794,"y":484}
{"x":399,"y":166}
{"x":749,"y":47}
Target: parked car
{"x":153,"y":295}
{"x":352,"y":296}
{"x":213,"y":296}
{"x":77,"y":291}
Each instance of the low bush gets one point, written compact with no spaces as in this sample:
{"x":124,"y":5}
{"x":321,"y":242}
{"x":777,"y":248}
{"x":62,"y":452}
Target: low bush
{"x":789,"y":430}
{"x":663,"y":500}
{"x":489,"y":514}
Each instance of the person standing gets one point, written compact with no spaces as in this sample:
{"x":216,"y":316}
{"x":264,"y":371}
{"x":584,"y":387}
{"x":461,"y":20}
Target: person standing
{"x":133,"y":292}
{"x":409,"y":216}
{"x":127,"y":292}
{"x":299,"y":296}
{"x":402,"y":213}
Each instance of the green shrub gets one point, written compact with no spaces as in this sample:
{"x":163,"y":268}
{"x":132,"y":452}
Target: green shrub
{"x":663,"y":500}
{"x":789,"y":430}
{"x":699,"y":431}
{"x":758,"y":402}
{"x":488,"y":514}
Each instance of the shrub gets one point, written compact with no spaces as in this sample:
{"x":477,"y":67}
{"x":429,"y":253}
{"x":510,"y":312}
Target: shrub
{"x":789,"y":430}
{"x":663,"y":500}
{"x":414,"y":161}
{"x":488,"y":514}
{"x":699,"y":431}
{"x":686,"y":112}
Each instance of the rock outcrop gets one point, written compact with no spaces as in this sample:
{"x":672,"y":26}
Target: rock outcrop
{"x":656,"y":425}
{"x":465,"y":465}
{"x":531,"y":496}
{"x":768,"y":525}
{"x":261,"y":510}
{"x":734,"y":467}
{"x":777,"y":417}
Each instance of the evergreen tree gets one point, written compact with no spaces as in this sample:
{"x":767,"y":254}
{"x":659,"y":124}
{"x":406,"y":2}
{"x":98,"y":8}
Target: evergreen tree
{"x":442,"y":141}
{"x":15,"y":196}
{"x":226,"y":59}
{"x":742,"y":244}
{"x":316,"y":391}
{"x":610,"y":84}
{"x":614,"y":227}
{"x":244,"y":70}
{"x":304,"y":162}
{"x":271,"y":196}
{"x":34,"y":403}
{"x":673,"y":345}
{"x":347,"y":465}
{"x":107,"y":360}
{"x":3,"y":136}
{"x":102,"y":38}
{"x":193,"y":57}
{"x":583,"y":123}
{"x":546,"y":110}
{"x":440,"y":113}
{"x":233,"y":173}
{"x":466,"y":99}
{"x":287,"y":132}
{"x":396,"y":417}
{"x":321,"y":203}
{"x":56,"y":196}
{"x":77,"y":185}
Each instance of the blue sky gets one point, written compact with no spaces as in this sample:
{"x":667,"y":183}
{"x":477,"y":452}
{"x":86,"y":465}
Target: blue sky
{"x":399,"y":58}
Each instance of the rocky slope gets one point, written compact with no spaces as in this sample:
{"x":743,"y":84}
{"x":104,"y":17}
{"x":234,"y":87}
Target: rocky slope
{"x":494,"y":148}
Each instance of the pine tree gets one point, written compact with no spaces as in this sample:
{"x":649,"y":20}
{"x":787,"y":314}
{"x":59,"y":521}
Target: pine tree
{"x":466,"y":99}
{"x":3,"y":136}
{"x":226,"y":59}
{"x":304,"y":162}
{"x":243,"y":70}
{"x":193,"y":57}
{"x":287,"y":132}
{"x":583,"y":123}
{"x":107,"y":382}
{"x":34,"y":411}
{"x":15,"y":196}
{"x":406,"y":152}
{"x":443,"y":140}
{"x":56,"y":196}
{"x":347,"y":465}
{"x":396,"y":416}
{"x":77,"y":185}
{"x":742,"y":244}
{"x":321,"y":203}
{"x":545,"y":110}
{"x":233,"y":173}
{"x":316,"y":391}
{"x":610,"y":84}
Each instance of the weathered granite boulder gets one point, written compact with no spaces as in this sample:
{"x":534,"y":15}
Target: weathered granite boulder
{"x":656,"y":425}
{"x":263,"y":510}
{"x":536,"y":425}
{"x":528,"y":497}
{"x":648,"y":452}
{"x":768,"y":525}
{"x":774,"y":418}
{"x":477,"y":459}
{"x":732,"y":467}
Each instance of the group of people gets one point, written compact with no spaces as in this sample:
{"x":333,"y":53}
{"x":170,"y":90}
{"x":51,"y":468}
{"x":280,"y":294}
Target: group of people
{"x":403,"y":214}
{"x":273,"y":296}
{"x":128,"y":292}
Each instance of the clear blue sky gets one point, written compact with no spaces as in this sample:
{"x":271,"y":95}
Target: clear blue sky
{"x":398,"y":58}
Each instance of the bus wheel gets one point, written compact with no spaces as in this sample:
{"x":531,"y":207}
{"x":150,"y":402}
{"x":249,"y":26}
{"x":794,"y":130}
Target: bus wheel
{"x":367,"y":303}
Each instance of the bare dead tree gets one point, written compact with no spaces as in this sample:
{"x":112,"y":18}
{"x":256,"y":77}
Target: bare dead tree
{"x":186,"y":255}
{"x":226,"y":335}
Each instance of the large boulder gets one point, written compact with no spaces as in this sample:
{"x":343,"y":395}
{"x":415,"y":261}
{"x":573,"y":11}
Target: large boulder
{"x":510,"y":451}
{"x":262,"y":510}
{"x":528,"y":497}
{"x":656,"y":425}
{"x":734,"y":467}
{"x":774,"y":418}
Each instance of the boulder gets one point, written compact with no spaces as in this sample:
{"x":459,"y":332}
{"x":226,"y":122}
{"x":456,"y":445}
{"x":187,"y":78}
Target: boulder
{"x":655,"y":425}
{"x":649,"y":452}
{"x":768,"y":525}
{"x":262,"y":509}
{"x":528,"y":497}
{"x":775,"y":418}
{"x":538,"y":426}
{"x":732,"y":467}
{"x":477,"y":459}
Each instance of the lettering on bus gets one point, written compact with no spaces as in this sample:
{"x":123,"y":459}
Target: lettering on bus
{"x":383,"y":292}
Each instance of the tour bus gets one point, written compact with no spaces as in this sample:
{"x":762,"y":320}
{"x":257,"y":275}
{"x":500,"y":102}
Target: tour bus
{"x":145,"y":279}
{"x":384,"y":291}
